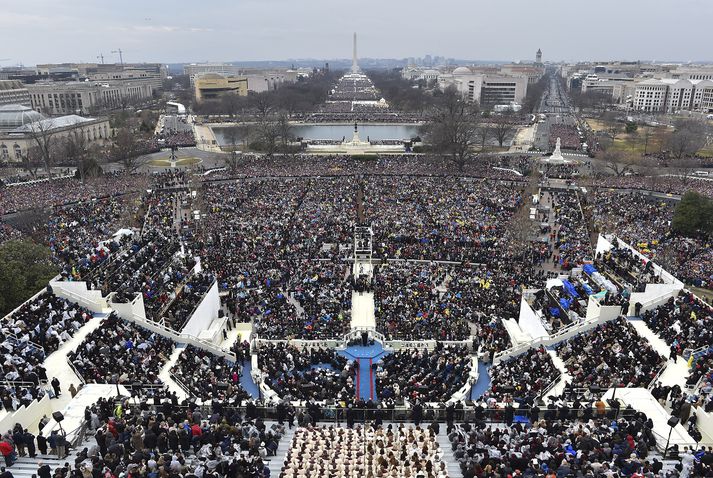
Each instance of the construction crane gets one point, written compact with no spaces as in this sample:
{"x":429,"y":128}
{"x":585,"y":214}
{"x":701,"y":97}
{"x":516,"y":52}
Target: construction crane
{"x":121,"y":58}
{"x":101,"y":56}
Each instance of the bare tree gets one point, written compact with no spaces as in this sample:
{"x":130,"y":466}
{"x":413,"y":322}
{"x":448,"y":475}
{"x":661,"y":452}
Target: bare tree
{"x":127,"y":149}
{"x":263,"y":103}
{"x":502,"y":127}
{"x":616,"y":162}
{"x":646,"y":135}
{"x":485,"y":131}
{"x":79,"y":153}
{"x":31,"y":160}
{"x":689,"y":137}
{"x":42,"y":134}
{"x":452,"y":126}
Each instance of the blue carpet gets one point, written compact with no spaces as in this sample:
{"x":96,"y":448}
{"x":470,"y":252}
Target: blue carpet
{"x":483,"y":383}
{"x":246,"y":380}
{"x":370,"y":351}
{"x":366,"y":382}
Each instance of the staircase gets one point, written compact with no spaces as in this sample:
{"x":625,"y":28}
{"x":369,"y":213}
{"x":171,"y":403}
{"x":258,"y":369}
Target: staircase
{"x":565,"y":377}
{"x":165,"y":373}
{"x":25,"y":466}
{"x":276,"y":462}
{"x":451,"y":463}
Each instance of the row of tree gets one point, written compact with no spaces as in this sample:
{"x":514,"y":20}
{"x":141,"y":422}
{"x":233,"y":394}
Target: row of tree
{"x":455,"y":126}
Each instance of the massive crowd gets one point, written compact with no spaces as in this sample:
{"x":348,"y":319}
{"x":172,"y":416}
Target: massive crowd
{"x":391,"y":451}
{"x":121,"y":352}
{"x":611,"y":355}
{"x":684,"y":322}
{"x":644,"y":222}
{"x":277,"y":249}
{"x":522,"y":378}
{"x":209,"y":377}
{"x":423,"y":375}
{"x":176,"y":440}
{"x":307,"y":374}
{"x":598,"y":447}
{"x":68,"y":190}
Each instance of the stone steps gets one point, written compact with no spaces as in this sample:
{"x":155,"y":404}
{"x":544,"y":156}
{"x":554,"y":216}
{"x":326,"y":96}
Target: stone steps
{"x":277,"y":462}
{"x":452,"y":465}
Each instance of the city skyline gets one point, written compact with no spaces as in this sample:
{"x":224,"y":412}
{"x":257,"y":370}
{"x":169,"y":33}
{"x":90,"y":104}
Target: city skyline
{"x":80,"y":30}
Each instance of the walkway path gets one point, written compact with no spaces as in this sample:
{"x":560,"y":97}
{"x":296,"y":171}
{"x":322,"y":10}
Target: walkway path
{"x":565,"y":377}
{"x":363,"y":308}
{"x":57,"y":366}
{"x":483,"y":383}
{"x":451,"y":463}
{"x":677,"y":371}
{"x":283,"y":446}
{"x":165,"y":373}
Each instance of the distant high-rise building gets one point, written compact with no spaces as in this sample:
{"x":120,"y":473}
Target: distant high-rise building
{"x":538,"y":56}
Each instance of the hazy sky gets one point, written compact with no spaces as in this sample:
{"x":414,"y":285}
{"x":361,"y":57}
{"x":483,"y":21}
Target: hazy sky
{"x":39,"y":31}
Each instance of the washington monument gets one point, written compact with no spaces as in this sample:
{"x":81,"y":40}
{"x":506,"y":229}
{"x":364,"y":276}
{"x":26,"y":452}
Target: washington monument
{"x":355,"y":66}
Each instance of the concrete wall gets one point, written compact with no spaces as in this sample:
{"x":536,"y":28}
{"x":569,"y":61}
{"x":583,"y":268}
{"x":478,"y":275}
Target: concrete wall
{"x":78,"y":292}
{"x":530,"y":323}
{"x":205,"y":313}
{"x":28,"y":417}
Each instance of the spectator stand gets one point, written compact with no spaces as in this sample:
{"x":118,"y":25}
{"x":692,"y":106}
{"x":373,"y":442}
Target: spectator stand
{"x":81,"y":292}
{"x":653,"y":294}
{"x":640,"y":399}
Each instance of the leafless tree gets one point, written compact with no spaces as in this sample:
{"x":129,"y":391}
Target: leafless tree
{"x":616,"y":162}
{"x":79,"y":153}
{"x":646,"y":135}
{"x":31,"y":160}
{"x":689,"y":137}
{"x":127,"y":149}
{"x":43,"y":134}
{"x":502,"y":127}
{"x":452,"y":126}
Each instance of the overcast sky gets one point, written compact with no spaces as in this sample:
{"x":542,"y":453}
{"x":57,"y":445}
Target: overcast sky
{"x":43,"y":31}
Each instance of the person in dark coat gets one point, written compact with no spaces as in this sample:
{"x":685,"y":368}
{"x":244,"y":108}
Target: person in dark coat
{"x":30,"y":443}
{"x":44,"y":471}
{"x":41,"y":444}
{"x":56,"y":387}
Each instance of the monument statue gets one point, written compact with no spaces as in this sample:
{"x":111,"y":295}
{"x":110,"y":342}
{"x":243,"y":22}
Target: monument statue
{"x":557,"y":153}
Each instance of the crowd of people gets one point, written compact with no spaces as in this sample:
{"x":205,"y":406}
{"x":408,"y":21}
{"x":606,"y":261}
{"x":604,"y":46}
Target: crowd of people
{"x":312,"y":373}
{"x":610,"y":355}
{"x":569,"y":236}
{"x":597,"y":447}
{"x":422,"y":374}
{"x":63,"y":191}
{"x":390,"y":451}
{"x":522,"y":378}
{"x":121,"y":352}
{"x":684,"y":322}
{"x":187,"y":299}
{"x":80,"y":235}
{"x":46,"y":322}
{"x":644,"y":222}
{"x":207,"y":376}
{"x":172,"y":439}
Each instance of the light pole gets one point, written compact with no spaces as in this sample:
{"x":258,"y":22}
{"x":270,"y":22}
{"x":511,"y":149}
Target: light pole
{"x":672,"y":422}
